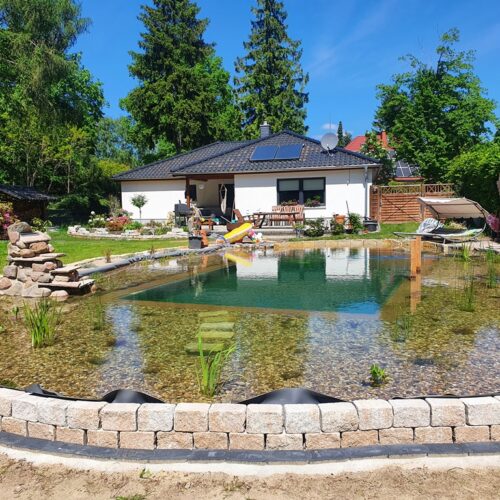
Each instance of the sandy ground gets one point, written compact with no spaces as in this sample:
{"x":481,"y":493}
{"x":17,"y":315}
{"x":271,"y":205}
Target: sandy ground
{"x":22,"y":480}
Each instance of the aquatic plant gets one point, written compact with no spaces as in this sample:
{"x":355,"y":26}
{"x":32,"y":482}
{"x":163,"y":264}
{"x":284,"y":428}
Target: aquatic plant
{"x":41,"y":321}
{"x":465,"y":253}
{"x":402,"y":328}
{"x":98,"y":313}
{"x":467,"y":302}
{"x":15,"y":312}
{"x":491,"y":264}
{"x":209,"y":368}
{"x":378,"y":375}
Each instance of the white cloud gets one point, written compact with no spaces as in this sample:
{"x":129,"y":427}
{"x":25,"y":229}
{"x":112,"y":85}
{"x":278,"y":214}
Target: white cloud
{"x":329,"y":126}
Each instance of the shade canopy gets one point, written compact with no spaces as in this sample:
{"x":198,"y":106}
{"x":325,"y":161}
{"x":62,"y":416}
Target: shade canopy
{"x":453,"y":208}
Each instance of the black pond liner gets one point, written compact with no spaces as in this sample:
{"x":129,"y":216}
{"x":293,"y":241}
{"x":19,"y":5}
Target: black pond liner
{"x":294,"y":395}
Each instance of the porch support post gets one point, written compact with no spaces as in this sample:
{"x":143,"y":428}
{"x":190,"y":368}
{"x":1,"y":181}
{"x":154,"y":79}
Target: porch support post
{"x":188,"y":197}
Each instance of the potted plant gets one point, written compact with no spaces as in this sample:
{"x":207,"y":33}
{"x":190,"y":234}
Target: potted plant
{"x":315,"y":228}
{"x":315,"y":201}
{"x":299,"y":229}
{"x":354,"y":224}
{"x":339,"y":219}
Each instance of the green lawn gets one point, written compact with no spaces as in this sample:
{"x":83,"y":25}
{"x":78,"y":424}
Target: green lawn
{"x":79,"y":249}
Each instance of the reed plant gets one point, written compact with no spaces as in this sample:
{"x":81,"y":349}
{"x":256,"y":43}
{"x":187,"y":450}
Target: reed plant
{"x":378,"y":375}
{"x":465,"y":253}
{"x":42,"y":320}
{"x":468,"y":299}
{"x":491,"y":268}
{"x":107,"y":256}
{"x":98,"y":313}
{"x":403,"y":326}
{"x":210,"y":367}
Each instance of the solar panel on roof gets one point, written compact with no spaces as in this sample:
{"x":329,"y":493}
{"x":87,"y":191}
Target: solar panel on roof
{"x":289,"y":152}
{"x":264,"y":153}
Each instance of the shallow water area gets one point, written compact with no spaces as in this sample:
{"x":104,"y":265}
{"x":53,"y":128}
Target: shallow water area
{"x":316,"y":318}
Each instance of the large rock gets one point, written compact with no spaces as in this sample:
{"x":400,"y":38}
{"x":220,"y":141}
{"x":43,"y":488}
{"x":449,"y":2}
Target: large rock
{"x":59,"y":295}
{"x":35,"y":292}
{"x":13,"y":250}
{"x":19,"y":227}
{"x":5,"y":283}
{"x":26,"y":253}
{"x":13,"y":236}
{"x":10,"y":272}
{"x":39,"y":247}
{"x":15,"y":290}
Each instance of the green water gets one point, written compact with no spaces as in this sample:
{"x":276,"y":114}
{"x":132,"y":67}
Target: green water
{"x":315,"y":318}
{"x":356,"y":281}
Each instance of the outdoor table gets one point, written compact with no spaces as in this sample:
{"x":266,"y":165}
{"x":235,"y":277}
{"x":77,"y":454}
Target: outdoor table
{"x":259,"y":218}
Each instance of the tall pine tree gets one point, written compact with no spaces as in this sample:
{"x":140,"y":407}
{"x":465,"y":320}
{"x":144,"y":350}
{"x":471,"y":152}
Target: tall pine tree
{"x":184,"y":99}
{"x":270,"y":80}
{"x":340,"y":134}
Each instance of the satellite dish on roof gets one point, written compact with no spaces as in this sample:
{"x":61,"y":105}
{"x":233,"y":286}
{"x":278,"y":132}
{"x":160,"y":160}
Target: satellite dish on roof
{"x":329,"y":141}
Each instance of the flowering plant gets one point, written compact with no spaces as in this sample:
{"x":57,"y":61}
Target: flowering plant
{"x":96,"y":220}
{"x":117,"y":223}
{"x":7,"y":217}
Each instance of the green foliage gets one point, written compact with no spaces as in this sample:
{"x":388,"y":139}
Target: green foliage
{"x":344,"y":137}
{"x":40,"y":225}
{"x":402,"y":328}
{"x":98,"y":313}
{"x":184,"y":99}
{"x":468,"y":298}
{"x":475,"y":174}
{"x":41,"y":320}
{"x":49,"y":104}
{"x":465,"y":253}
{"x":314,"y":228}
{"x":139,"y":200}
{"x":270,"y":81}
{"x":336,"y":228}
{"x":354,"y":220}
{"x":491,"y":266}
{"x":15,"y":311}
{"x":378,"y":375}
{"x":373,"y":147}
{"x":435,"y":113}
{"x":210,"y":368}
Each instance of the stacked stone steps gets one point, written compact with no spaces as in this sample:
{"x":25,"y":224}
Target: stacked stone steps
{"x":35,"y":269}
{"x":215,"y":330}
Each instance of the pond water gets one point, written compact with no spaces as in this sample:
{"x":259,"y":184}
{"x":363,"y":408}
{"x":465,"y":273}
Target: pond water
{"x":314,"y":318}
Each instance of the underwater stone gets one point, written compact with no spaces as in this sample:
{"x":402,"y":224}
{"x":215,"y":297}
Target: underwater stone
{"x":433,"y":435}
{"x":226,"y":326}
{"x":472,"y":434}
{"x":212,"y":314}
{"x":206,"y":346}
{"x":302,"y":418}
{"x":338,"y":417}
{"x":482,"y":411}
{"x":191,"y":417}
{"x":211,"y":335}
{"x":446,"y":412}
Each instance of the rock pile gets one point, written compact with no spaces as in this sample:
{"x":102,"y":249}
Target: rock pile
{"x":35,"y":270}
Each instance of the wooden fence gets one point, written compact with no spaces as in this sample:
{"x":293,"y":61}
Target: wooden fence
{"x":400,"y":203}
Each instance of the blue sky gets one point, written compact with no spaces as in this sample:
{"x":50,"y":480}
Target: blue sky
{"x":349,"y":46}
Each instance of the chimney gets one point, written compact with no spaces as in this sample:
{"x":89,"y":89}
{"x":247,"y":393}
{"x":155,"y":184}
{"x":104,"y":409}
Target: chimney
{"x":383,"y":139}
{"x":265,"y":130}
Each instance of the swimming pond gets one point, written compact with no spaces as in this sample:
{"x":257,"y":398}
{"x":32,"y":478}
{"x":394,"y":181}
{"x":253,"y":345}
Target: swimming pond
{"x":314,"y":318}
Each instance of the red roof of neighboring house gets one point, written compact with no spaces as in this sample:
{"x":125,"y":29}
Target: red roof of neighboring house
{"x":357,"y":142}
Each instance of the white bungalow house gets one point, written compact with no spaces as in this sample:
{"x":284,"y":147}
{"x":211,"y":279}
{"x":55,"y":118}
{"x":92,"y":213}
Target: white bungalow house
{"x":254,"y":176}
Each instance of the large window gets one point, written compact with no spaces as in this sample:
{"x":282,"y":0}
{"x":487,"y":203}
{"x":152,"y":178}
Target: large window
{"x":309,"y":192}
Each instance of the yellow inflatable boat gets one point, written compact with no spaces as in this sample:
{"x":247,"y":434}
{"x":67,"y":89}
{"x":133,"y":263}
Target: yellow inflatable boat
{"x":236,"y":235}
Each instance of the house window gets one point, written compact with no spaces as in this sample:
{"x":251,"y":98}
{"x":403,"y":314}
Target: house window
{"x":309,"y":192}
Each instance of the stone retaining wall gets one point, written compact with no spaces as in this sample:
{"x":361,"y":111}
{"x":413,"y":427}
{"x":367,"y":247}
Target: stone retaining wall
{"x":253,"y":427}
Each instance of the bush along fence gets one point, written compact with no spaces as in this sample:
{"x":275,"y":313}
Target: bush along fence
{"x":251,"y":427}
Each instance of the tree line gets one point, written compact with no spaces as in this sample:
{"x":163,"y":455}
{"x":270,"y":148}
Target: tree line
{"x":54,"y":135}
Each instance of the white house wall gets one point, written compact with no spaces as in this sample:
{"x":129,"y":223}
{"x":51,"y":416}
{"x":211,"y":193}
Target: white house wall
{"x":161,"y":196}
{"x":258,"y":192}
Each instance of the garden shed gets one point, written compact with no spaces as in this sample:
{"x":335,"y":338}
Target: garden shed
{"x":27,"y":202}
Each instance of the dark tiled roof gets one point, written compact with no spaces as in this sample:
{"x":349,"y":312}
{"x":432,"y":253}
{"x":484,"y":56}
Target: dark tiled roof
{"x":234,"y":157}
{"x":163,"y":169}
{"x":24,"y":193}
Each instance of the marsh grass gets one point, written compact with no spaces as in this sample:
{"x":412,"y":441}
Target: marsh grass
{"x":491,"y":271}
{"x":465,"y":253}
{"x":378,"y":375}
{"x":98,"y":313}
{"x":468,"y":298}
{"x":403,"y":327}
{"x":42,"y":320}
{"x":210,"y":367}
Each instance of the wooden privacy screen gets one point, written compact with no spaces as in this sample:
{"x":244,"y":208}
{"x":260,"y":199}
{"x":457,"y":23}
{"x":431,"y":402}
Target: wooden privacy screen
{"x":400,"y":203}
